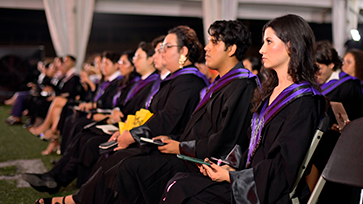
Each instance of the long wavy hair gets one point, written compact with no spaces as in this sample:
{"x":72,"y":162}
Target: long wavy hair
{"x":295,"y":32}
{"x":124,"y":81}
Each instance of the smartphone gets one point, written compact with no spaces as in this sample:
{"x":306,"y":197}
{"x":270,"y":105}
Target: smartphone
{"x":192,"y":159}
{"x":156,"y":142}
{"x":107,"y":145}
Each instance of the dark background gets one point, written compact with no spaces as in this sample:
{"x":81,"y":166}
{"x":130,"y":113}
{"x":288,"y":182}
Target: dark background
{"x":115,"y":31}
{"x":28,"y":29}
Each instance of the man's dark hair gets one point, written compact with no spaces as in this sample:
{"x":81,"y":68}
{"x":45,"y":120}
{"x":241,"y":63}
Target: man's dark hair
{"x":113,"y":56}
{"x":148,"y":48}
{"x":72,"y":58}
{"x":326,"y":54}
{"x":232,"y":33}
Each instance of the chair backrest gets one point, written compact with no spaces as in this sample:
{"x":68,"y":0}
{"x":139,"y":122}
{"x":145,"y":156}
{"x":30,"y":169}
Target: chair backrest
{"x":322,"y":127}
{"x":345,"y":163}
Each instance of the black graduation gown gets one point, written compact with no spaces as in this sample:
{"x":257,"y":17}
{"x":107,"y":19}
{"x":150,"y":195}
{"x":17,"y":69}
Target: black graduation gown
{"x":172,"y":106}
{"x":212,"y":131}
{"x":274,"y":166}
{"x":65,"y":171}
{"x":71,"y":87}
{"x":69,"y":126}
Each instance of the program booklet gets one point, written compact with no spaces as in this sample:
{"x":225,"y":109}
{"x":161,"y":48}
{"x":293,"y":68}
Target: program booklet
{"x":340,"y":114}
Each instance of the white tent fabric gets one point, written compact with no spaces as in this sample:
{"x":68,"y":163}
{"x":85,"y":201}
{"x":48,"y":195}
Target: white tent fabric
{"x":218,"y":10}
{"x":70,"y":24}
{"x":339,"y":25}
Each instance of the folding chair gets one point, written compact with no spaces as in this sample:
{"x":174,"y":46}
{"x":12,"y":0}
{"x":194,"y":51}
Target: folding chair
{"x":345,"y":163}
{"x":322,"y":127}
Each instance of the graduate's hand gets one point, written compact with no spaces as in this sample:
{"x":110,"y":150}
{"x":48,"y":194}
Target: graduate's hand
{"x":338,"y":128}
{"x":83,"y":75}
{"x":50,"y":98}
{"x":31,"y":85}
{"x":116,"y":116}
{"x":99,"y":116}
{"x":171,"y":147}
{"x":48,"y":89}
{"x":114,"y":136}
{"x":335,"y":127}
{"x":85,"y":106}
{"x":215,"y":172}
{"x":202,"y":169}
{"x":124,"y":140}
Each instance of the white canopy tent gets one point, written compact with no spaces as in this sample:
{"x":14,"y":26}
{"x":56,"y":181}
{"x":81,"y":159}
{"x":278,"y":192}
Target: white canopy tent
{"x":70,"y":20}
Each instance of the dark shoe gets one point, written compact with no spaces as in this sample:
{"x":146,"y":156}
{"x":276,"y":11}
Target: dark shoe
{"x":28,"y":123}
{"x":42,"y":182}
{"x":12,"y":120}
{"x":53,"y":161}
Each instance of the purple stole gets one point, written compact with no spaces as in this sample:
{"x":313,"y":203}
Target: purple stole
{"x":188,"y":70}
{"x":331,"y":85}
{"x":219,"y":83}
{"x":185,"y":70}
{"x":103,"y":86}
{"x":267,"y":113}
{"x":140,"y":85}
{"x":118,"y":94}
{"x":154,"y":89}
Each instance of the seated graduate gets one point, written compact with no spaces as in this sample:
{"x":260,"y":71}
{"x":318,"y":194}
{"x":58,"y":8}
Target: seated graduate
{"x":254,"y":65}
{"x":21,"y":99}
{"x":89,"y":155}
{"x":353,"y":65}
{"x":286,"y":112}
{"x":172,"y":105}
{"x":104,"y":97}
{"x":67,"y":88}
{"x":36,"y":118}
{"x":91,"y":77}
{"x":65,"y":170}
{"x":337,"y":86}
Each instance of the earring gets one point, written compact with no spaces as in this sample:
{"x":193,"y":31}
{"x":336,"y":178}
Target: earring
{"x":182,"y":60}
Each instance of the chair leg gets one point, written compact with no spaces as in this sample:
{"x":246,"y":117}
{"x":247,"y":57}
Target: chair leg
{"x":317,"y":190}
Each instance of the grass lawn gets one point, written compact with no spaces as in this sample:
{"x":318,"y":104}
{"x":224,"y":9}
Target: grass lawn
{"x":17,"y":143}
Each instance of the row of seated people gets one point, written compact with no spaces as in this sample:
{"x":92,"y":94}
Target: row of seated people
{"x":261,"y":131}
{"x":57,"y":80}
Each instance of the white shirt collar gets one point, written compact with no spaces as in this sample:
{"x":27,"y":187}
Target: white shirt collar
{"x":334,"y":75}
{"x":146,"y":76}
{"x":70,"y":72}
{"x":114,"y":76}
{"x":163,"y":76}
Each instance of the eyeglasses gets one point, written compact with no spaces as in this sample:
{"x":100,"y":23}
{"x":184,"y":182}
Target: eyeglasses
{"x":120,"y":62}
{"x":163,"y":47}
